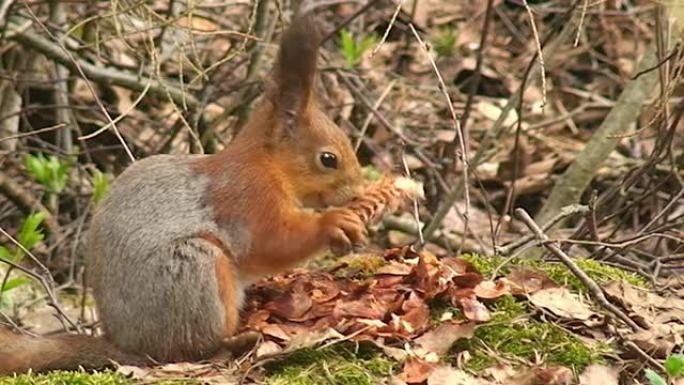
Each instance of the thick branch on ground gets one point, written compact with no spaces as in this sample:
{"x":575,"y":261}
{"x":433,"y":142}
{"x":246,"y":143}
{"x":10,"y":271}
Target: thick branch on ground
{"x":104,"y":75}
{"x":569,"y":188}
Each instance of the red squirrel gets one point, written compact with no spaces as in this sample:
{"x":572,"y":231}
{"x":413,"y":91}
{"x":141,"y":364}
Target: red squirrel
{"x":172,"y":247}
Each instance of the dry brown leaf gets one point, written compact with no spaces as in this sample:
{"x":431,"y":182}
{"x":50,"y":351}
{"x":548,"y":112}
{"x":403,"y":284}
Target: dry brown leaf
{"x":416,"y":312}
{"x":561,"y":302}
{"x":268,"y":348}
{"x":650,"y":307}
{"x":208,"y":373}
{"x":660,"y":339}
{"x":290,"y":306}
{"x":542,"y":376}
{"x":395,"y":268}
{"x":491,"y":289}
{"x":525,"y":281}
{"x":275,"y":330}
{"x":364,"y":308}
{"x":457,"y":266}
{"x":447,"y":375}
{"x":416,"y":370}
{"x":440,"y":339}
{"x":474,"y":310}
{"x":599,"y":374}
{"x":470,"y":280}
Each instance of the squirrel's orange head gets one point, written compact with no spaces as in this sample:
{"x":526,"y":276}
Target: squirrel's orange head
{"x":321,"y":163}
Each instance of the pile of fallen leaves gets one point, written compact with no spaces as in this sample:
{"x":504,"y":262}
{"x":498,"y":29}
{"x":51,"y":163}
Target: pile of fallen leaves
{"x":392,"y":303}
{"x":391,"y":308}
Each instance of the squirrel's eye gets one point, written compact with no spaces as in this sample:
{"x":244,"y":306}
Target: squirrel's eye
{"x":328,"y":160}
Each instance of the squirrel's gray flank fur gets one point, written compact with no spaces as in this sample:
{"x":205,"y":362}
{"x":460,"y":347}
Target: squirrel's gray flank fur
{"x":141,"y":254}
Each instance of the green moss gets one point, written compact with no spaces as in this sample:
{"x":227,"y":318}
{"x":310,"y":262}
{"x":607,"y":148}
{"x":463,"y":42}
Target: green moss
{"x":602,"y":273}
{"x":340,"y":364}
{"x":80,"y":378}
{"x":556,"y":271}
{"x":513,"y":337}
{"x":67,"y":378}
{"x":485,"y":265}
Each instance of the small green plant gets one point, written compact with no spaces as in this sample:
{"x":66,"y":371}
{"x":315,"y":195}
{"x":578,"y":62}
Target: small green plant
{"x":444,"y":43}
{"x":100,"y":183}
{"x":354,"y":49}
{"x":29,"y":236}
{"x":674,"y":366}
{"x":50,"y":171}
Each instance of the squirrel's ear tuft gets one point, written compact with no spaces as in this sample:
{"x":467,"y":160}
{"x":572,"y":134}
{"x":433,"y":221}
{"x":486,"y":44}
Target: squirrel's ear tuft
{"x":295,"y":69}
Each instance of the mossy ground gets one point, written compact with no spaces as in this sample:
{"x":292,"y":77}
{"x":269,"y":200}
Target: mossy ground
{"x":514,"y":338}
{"x":345,"y":364}
{"x":67,"y":378}
{"x":556,"y":271}
{"x":82,"y":378}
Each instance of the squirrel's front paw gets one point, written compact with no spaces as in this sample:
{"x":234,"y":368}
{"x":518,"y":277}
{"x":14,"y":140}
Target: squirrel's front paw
{"x":343,"y":229}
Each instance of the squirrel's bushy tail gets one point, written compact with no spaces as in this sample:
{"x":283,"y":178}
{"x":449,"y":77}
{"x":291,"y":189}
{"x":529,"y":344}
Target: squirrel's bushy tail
{"x":21,"y":353}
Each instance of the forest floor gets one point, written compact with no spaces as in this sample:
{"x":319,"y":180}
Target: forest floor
{"x":553,"y":256}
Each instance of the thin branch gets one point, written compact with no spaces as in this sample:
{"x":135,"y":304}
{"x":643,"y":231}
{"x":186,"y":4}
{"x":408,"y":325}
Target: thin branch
{"x":457,"y":127}
{"x":348,"y":20}
{"x":565,"y":212}
{"x":540,"y":53}
{"x":42,"y":278}
{"x":105,"y":75}
{"x":389,"y":28}
{"x":369,"y":118}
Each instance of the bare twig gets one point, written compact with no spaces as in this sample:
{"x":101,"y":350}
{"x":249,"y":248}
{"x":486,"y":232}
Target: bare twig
{"x":389,"y":28}
{"x":369,"y":118}
{"x":497,"y":129}
{"x":105,"y":75}
{"x":34,"y":132}
{"x":416,"y":216}
{"x":45,"y":279}
{"x":565,"y":212}
{"x":381,"y":118}
{"x":72,"y":60}
{"x":457,"y":128}
{"x":118,"y":118}
{"x":540,"y":53}
{"x":348,"y":20}
{"x":581,"y":22}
